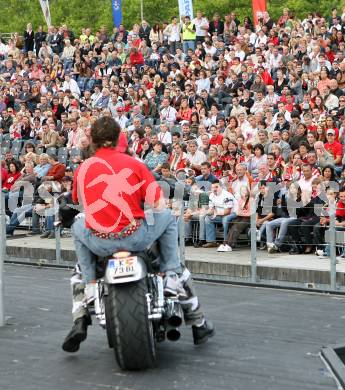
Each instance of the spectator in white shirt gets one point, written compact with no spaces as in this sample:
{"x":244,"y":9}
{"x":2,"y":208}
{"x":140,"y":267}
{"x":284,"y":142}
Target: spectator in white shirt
{"x":221,"y":206}
{"x":164,"y":135}
{"x":168,"y":113}
{"x":201,"y":26}
{"x":195,"y":157}
{"x":71,"y":84}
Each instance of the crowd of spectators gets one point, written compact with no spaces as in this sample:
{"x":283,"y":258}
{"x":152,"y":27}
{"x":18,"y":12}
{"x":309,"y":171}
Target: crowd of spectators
{"x":232,"y":106}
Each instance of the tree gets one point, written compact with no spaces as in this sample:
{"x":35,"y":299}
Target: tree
{"x":15,"y":14}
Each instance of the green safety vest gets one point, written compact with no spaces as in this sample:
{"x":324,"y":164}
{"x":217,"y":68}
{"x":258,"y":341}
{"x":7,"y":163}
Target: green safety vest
{"x":188,"y":35}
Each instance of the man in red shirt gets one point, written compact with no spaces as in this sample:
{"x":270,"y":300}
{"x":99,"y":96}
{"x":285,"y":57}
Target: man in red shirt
{"x":112,"y":186}
{"x":216,"y":138}
{"x":335,"y":148}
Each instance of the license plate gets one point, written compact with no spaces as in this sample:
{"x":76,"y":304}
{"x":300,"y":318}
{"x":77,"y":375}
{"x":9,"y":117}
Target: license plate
{"x":123,"y":267}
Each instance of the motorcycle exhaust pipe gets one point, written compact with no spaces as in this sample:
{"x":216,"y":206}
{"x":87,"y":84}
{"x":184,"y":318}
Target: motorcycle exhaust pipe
{"x":173,"y":334}
{"x":175,"y":316}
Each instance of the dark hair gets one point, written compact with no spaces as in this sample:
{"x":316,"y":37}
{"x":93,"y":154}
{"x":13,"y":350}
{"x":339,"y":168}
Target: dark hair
{"x":333,"y":178}
{"x":206,"y":163}
{"x":105,"y":132}
{"x":260,"y":147}
{"x":165,"y":166}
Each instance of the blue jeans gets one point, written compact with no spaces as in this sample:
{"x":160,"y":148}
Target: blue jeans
{"x":68,"y":64}
{"x":163,"y":229}
{"x":283,"y":224}
{"x":18,"y":217}
{"x":210,"y":226}
{"x":188,"y":45}
{"x":189,"y":224}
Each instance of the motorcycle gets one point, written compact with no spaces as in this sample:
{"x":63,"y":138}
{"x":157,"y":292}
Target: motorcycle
{"x":130,"y":303}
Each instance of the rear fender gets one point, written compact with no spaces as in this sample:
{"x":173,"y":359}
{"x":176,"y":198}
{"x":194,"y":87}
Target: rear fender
{"x":141,"y":272}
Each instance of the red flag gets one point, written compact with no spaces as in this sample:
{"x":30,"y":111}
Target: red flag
{"x":259,"y":6}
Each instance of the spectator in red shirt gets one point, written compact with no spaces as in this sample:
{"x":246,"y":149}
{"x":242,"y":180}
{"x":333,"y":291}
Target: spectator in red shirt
{"x":335,"y":148}
{"x":11,"y":177}
{"x":216,"y":138}
{"x":136,"y":58}
{"x":56,"y":171}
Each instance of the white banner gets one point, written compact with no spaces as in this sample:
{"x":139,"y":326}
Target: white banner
{"x":46,"y":11}
{"x":185,"y":8}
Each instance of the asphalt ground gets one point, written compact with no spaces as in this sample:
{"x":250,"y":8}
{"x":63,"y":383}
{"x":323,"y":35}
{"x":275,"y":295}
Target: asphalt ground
{"x":266,"y":339}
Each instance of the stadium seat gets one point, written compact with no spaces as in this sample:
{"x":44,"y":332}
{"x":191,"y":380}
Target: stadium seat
{"x":15,"y":150}
{"x":51,"y":150}
{"x":149,"y":122}
{"x":74,"y":167}
{"x":63,"y":152}
{"x":62,"y":158}
{"x":6,"y":137}
{"x":17,"y":142}
{"x":6,"y":143}
{"x":75,"y":152}
{"x":176,"y":128}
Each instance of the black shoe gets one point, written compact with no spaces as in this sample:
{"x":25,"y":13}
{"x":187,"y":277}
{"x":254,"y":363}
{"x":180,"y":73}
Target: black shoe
{"x":34,"y":233}
{"x":202,"y":333}
{"x":199,"y":244}
{"x":76,"y":335}
{"x":188,"y":242}
{"x":52,"y":235}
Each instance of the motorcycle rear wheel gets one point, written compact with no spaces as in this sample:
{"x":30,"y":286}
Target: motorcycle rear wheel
{"x":133,"y":336}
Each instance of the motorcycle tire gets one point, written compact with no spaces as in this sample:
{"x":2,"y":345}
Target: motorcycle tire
{"x":108,"y":322}
{"x":133,"y":335}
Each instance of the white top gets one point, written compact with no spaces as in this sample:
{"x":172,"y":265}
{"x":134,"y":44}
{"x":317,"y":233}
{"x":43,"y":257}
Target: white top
{"x":198,"y":158}
{"x":198,"y":24}
{"x":168,"y":114}
{"x":203,"y":84}
{"x":72,"y":85}
{"x":165,"y":138}
{"x":224,"y":201}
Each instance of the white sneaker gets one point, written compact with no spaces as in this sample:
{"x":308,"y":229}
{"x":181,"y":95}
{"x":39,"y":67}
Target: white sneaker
{"x":319,"y":252}
{"x":272,"y":248}
{"x":258,"y":235}
{"x":227,"y":248}
{"x":221,"y":248}
{"x":90,"y":292}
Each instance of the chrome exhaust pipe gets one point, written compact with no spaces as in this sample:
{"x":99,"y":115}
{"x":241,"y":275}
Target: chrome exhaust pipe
{"x":174,"y":317}
{"x":173,"y":334}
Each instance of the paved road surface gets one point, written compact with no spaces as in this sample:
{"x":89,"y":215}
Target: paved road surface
{"x":266,"y":339}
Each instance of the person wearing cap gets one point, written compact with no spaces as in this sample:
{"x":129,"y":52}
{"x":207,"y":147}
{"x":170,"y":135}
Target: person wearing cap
{"x":121,"y":117}
{"x":335,"y":148}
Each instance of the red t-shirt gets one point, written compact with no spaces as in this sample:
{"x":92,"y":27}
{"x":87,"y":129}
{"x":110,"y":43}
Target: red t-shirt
{"x":336,"y":149}
{"x":10,"y":180}
{"x":216,"y":140}
{"x":116,"y":185}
